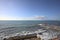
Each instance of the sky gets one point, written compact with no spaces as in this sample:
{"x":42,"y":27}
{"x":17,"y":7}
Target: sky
{"x":29,"y":9}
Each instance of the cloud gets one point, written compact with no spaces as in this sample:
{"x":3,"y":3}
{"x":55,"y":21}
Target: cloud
{"x":39,"y":17}
{"x":24,"y":18}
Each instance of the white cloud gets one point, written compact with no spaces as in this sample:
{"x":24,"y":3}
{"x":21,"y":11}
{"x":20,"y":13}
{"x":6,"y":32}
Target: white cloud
{"x":24,"y":18}
{"x":39,"y":17}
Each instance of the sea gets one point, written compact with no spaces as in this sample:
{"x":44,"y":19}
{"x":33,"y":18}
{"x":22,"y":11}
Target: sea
{"x":8,"y":27}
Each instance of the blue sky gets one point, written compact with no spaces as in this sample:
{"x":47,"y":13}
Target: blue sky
{"x":29,"y":9}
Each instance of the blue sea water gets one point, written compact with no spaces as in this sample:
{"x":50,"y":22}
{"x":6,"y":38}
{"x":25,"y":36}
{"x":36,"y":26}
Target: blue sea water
{"x":25,"y":23}
{"x":9,"y":27}
{"x":16,"y":26}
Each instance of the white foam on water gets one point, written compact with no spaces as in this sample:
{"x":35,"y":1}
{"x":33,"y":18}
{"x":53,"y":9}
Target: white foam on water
{"x":2,"y":35}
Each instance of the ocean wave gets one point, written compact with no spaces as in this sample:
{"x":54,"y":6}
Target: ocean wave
{"x":3,"y":35}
